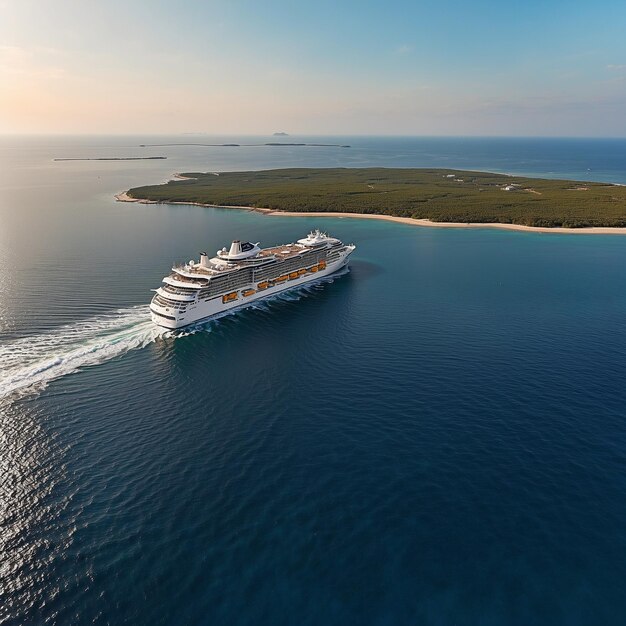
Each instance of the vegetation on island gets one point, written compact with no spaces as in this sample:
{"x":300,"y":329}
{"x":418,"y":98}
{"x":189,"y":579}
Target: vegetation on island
{"x":440,"y":195}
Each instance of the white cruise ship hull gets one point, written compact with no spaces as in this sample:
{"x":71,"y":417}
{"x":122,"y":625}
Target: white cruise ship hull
{"x":201,"y":311}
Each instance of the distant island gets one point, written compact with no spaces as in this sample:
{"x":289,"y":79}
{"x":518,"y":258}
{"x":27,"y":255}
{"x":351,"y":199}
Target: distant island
{"x":239,"y":145}
{"x":151,"y":158}
{"x":428,"y":196}
{"x":281,"y":134}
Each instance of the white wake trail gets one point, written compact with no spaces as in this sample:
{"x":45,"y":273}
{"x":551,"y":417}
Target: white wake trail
{"x":35,"y":361}
{"x":30,"y":363}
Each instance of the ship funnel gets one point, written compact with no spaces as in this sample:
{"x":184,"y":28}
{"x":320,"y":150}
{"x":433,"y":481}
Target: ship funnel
{"x":204,"y":260}
{"x":235,"y":248}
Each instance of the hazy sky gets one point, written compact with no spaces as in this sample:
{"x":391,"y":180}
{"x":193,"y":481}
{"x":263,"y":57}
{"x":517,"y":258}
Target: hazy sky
{"x":532,"y":67}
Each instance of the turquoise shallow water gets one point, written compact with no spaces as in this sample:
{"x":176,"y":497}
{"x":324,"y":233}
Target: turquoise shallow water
{"x":436,"y":436}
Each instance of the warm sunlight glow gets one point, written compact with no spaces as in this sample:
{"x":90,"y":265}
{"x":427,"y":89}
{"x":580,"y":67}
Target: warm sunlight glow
{"x":221,"y":67}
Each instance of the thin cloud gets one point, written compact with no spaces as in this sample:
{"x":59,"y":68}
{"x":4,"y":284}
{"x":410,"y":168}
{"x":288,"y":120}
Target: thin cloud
{"x":403,"y":49}
{"x":35,"y":63}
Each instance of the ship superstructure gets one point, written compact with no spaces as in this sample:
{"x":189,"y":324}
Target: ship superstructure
{"x":244,"y":273}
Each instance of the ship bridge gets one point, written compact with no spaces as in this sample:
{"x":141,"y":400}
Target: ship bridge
{"x":316,"y":238}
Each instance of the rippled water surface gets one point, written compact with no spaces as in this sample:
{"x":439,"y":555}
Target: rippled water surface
{"x":436,"y":436}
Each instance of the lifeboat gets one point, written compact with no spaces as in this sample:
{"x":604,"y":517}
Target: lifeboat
{"x":293,"y":275}
{"x":229,"y":297}
{"x":281,"y":279}
{"x":322,"y":265}
{"x":263,"y":285}
{"x":313,"y":269}
{"x":248,"y":292}
{"x":301,"y":272}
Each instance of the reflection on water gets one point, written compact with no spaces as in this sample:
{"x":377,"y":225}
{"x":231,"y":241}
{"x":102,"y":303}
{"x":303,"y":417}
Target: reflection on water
{"x":437,"y":437}
{"x":33,"y":530}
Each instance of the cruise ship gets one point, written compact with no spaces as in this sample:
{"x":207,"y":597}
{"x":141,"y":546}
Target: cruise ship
{"x":234,"y":277}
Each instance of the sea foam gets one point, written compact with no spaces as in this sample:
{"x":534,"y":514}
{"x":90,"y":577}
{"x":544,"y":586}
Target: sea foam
{"x":32,"y":362}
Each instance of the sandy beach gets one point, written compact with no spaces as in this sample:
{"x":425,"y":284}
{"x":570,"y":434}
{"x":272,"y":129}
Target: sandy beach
{"x":600,"y":230}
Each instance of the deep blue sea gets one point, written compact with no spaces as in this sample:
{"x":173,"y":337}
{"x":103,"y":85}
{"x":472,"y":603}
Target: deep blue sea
{"x":436,"y":437}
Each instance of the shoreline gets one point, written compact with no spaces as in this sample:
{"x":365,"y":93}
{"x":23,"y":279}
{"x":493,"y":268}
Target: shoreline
{"x":590,"y":230}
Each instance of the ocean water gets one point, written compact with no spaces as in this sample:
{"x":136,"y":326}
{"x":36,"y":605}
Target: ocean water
{"x":435,"y":436}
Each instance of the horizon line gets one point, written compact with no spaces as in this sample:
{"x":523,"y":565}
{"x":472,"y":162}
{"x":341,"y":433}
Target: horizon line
{"x":356,"y":135}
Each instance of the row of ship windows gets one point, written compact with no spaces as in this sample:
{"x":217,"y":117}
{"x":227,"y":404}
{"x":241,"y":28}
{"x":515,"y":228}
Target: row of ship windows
{"x":201,"y":282}
{"x":271,"y":272}
{"x":288,"y":266}
{"x":170,"y":304}
{"x":181,"y":291}
{"x":234,"y":277}
{"x":306,"y":259}
{"x":243,"y":278}
{"x":167,"y":317}
{"x":222,"y":287}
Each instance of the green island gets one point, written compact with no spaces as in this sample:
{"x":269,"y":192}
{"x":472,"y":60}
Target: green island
{"x":439,"y":195}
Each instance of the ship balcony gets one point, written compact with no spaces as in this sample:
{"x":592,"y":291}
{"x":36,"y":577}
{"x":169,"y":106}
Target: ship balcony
{"x":186,"y":283}
{"x":160,"y":308}
{"x":175,"y":296}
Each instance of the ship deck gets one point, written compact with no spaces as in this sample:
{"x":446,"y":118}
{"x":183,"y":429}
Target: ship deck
{"x":285,"y":251}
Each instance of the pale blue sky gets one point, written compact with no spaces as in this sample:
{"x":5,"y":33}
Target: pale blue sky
{"x":452,"y":68}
